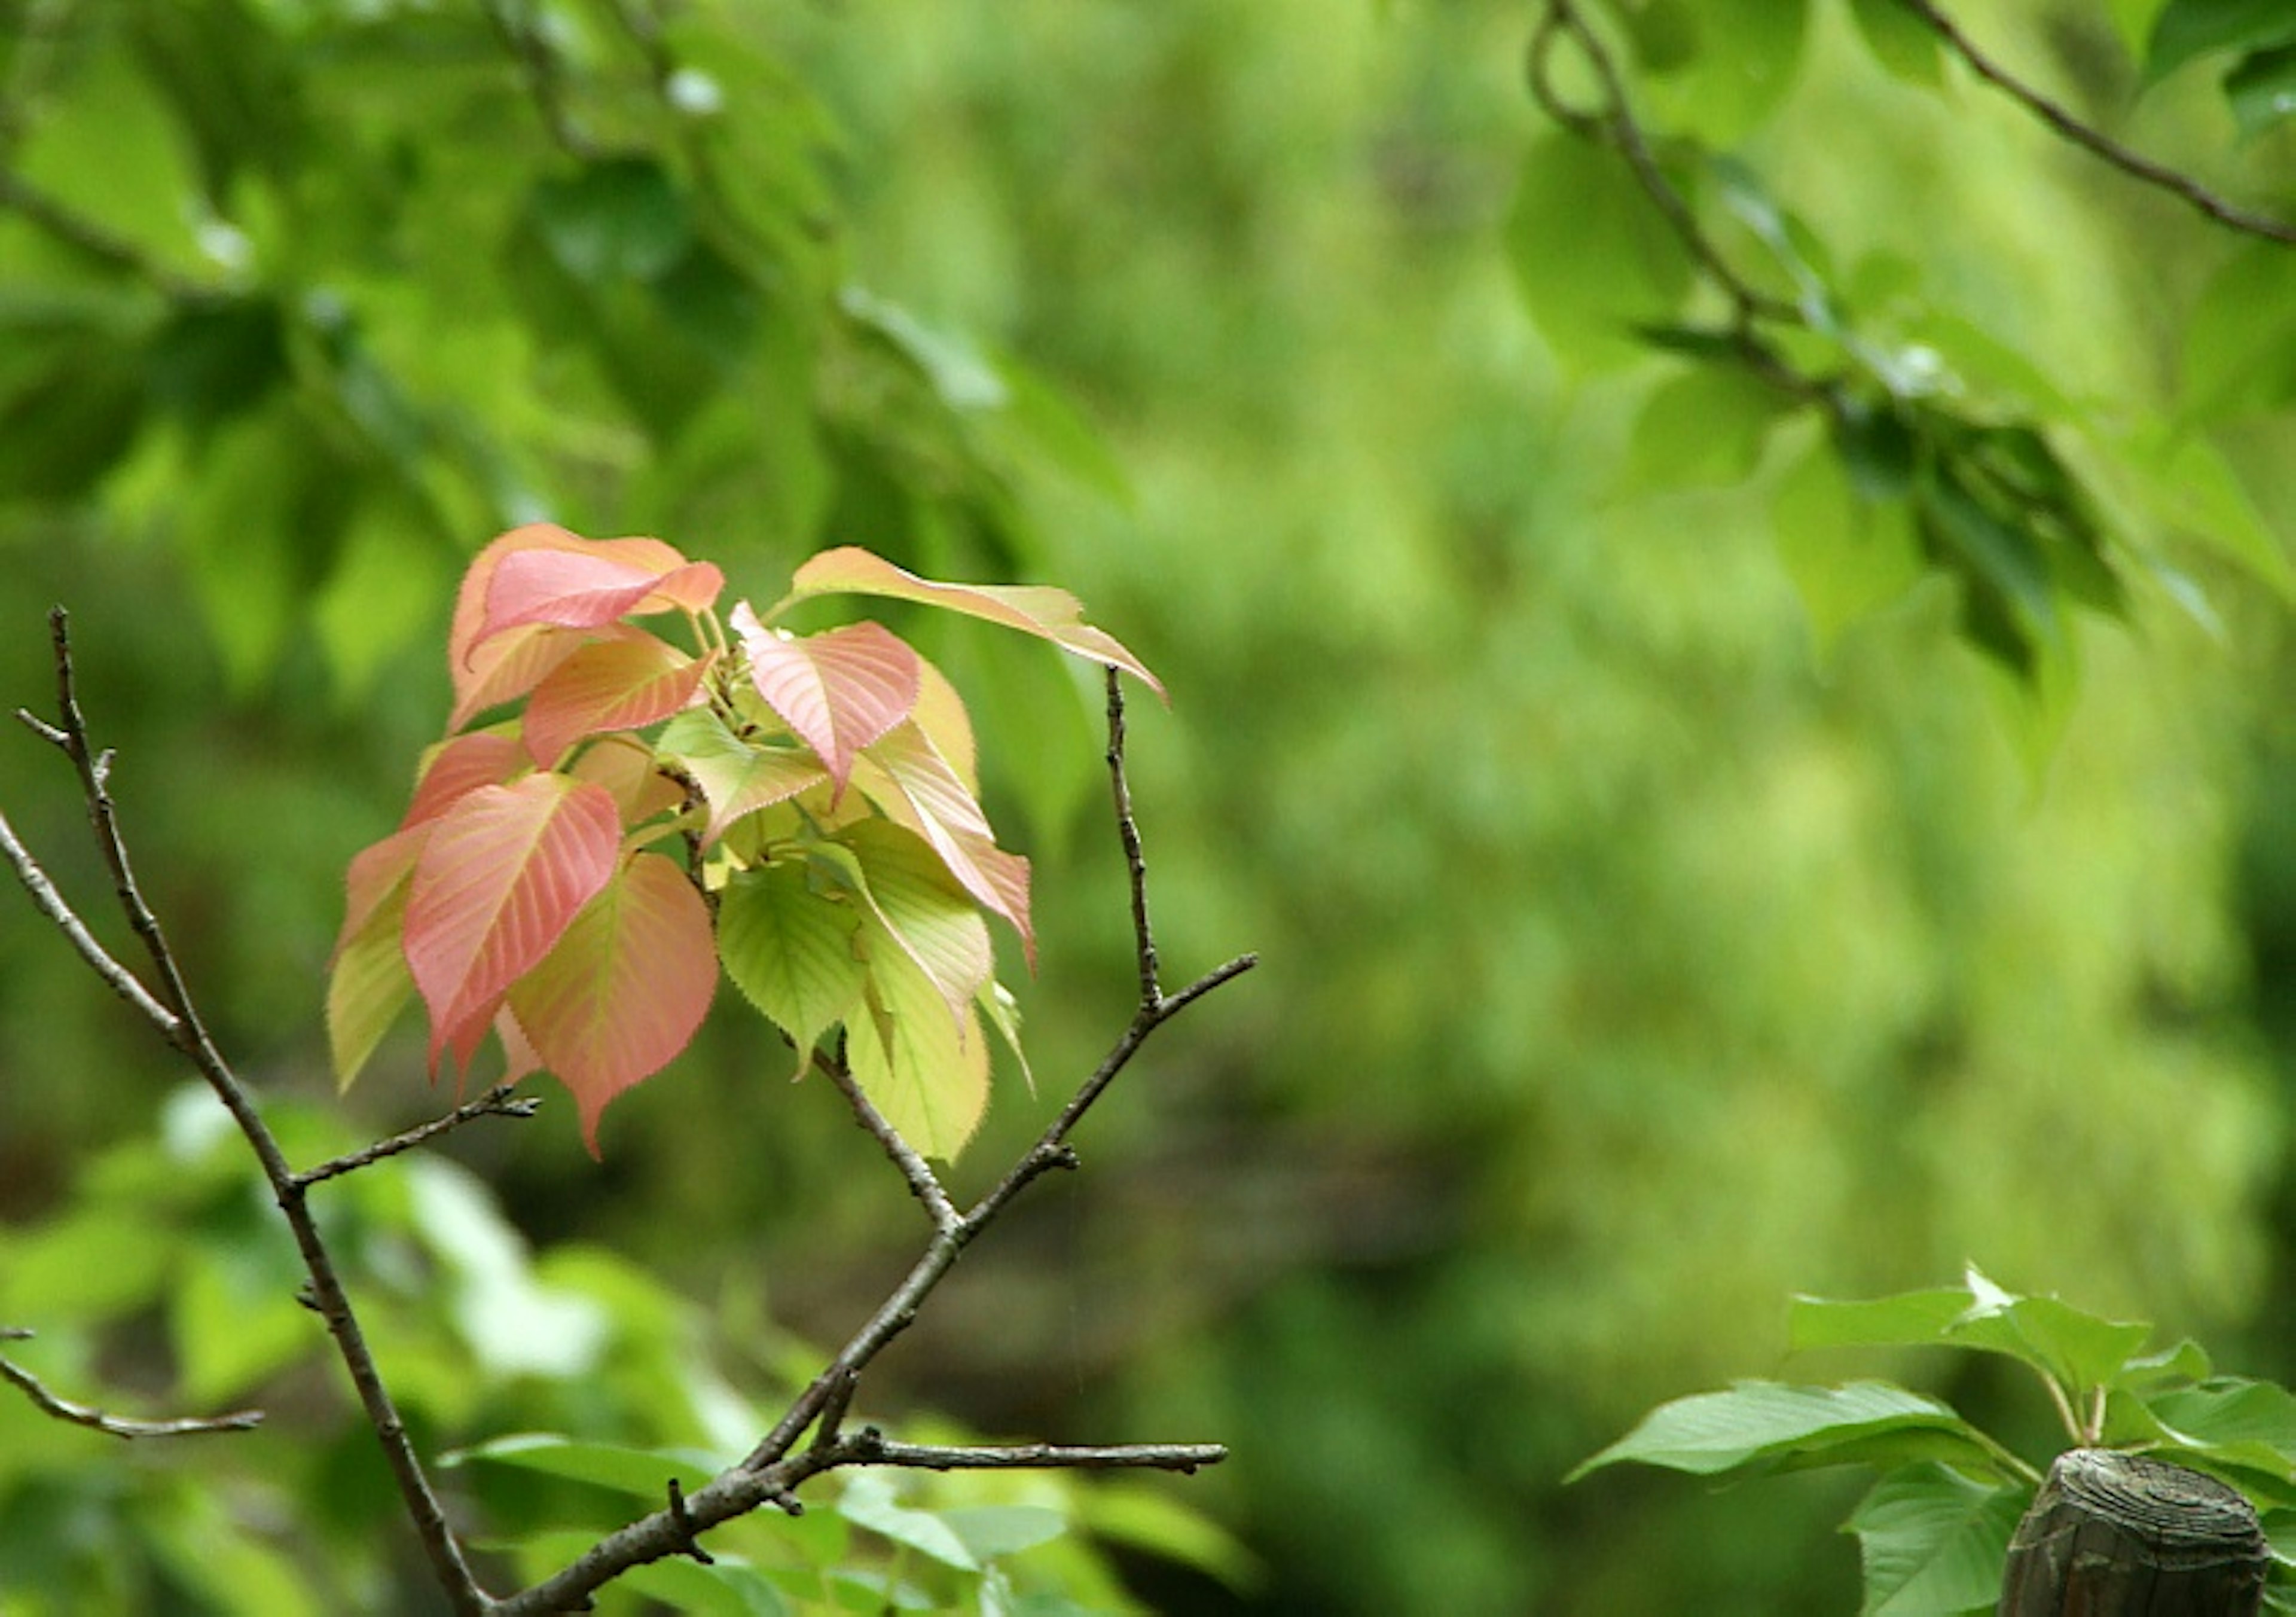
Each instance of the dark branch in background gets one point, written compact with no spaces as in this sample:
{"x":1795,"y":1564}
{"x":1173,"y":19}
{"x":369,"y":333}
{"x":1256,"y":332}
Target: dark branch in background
{"x":2134,"y":164}
{"x":113,"y":1425}
{"x":772,"y":1473}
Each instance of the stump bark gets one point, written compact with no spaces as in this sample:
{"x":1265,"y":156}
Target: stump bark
{"x":2123,"y":1535}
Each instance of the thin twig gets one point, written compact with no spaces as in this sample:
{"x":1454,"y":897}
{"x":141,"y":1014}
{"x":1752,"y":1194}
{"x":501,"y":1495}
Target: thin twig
{"x":501,"y":1101}
{"x":2134,"y":164}
{"x":1127,"y":832}
{"x":171,"y":1011}
{"x":115,"y":1425}
{"x":924,"y":1184}
{"x":869,"y":1447}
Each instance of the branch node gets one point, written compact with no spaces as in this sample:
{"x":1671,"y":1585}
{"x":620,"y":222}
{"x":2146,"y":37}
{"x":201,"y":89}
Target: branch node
{"x":688,"y":1543}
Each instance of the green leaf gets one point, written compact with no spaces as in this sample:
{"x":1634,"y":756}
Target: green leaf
{"x":2262,"y":88}
{"x":869,"y":1501}
{"x":1704,"y":426}
{"x":990,"y":1532}
{"x":920,"y":905}
{"x":2240,"y":343}
{"x":1749,"y":53}
{"x":1592,"y":255}
{"x":1934,"y":1542}
{"x":620,"y":218}
{"x":2229,"y":1410}
{"x":787,"y":938}
{"x":927,"y":1072}
{"x":1900,"y":41}
{"x":2187,"y":29}
{"x":1848,"y":555}
{"x":642,"y":1474}
{"x":1762,"y":1423}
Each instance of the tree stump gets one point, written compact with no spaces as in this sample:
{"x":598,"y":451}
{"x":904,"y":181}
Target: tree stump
{"x":2122,"y":1535}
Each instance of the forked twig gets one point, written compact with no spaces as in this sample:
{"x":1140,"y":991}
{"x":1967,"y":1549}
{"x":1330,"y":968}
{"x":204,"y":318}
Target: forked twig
{"x":169,"y":1009}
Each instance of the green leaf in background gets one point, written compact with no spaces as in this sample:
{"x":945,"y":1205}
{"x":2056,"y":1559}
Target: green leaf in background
{"x":1746,"y":56}
{"x":1592,"y":257}
{"x":1849,"y":555}
{"x":1767,"y":1424}
{"x":2261,"y":88}
{"x":2187,"y":29}
{"x":642,"y":1473}
{"x":1899,"y":41}
{"x":871,"y":1500}
{"x":1934,"y":1542}
{"x":789,"y":947}
{"x":1707,"y":425}
{"x":621,"y":218}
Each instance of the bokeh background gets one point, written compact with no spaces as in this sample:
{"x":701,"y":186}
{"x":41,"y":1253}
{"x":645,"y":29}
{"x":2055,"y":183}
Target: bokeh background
{"x":1638,"y":947}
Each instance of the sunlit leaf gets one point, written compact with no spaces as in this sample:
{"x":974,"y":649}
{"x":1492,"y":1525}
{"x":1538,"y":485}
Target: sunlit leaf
{"x":837,"y":691}
{"x":368,"y":984}
{"x":927,"y":1073}
{"x":921,"y":906}
{"x":1048,"y":614}
{"x":624,"y":988}
{"x":788,"y":944}
{"x":503,"y":873}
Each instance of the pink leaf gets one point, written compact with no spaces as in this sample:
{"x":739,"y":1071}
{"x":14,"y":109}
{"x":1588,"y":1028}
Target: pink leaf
{"x":625,"y":988}
{"x":511,"y":661}
{"x":498,"y":880}
{"x":625,"y":766}
{"x":1048,"y":613}
{"x":594,"y":585}
{"x":914,"y":786}
{"x":487,"y":757}
{"x":376,"y":874}
{"x":837,"y":691}
{"x":609,"y":684}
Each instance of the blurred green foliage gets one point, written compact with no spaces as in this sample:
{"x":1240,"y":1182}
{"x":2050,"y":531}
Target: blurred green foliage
{"x":1663,"y":910}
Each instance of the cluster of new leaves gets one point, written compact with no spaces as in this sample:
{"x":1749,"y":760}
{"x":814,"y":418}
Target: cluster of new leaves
{"x":803,"y":807}
{"x":1947,"y":448}
{"x":1934,"y":1529}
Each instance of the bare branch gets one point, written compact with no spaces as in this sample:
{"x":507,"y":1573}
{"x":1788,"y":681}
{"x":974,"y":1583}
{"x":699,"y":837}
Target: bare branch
{"x":52,"y":904}
{"x":171,"y":1012}
{"x":501,"y":1101}
{"x":114,"y":1425}
{"x":869,"y":1447}
{"x":2090,"y":139}
{"x":1127,"y":832}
